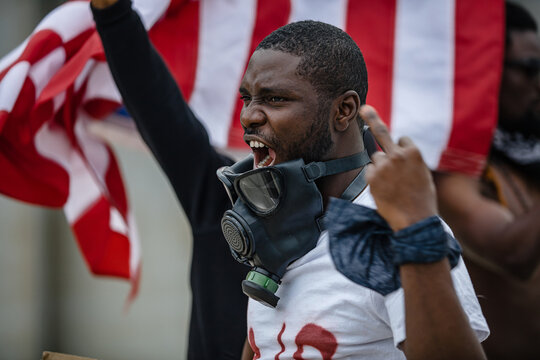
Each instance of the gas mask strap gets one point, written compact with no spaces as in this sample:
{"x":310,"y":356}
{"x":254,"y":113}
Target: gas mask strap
{"x":352,"y":191}
{"x":316,"y":170}
{"x":356,"y":187}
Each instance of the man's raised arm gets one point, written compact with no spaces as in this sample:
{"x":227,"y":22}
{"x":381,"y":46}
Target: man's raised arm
{"x":175,"y":136}
{"x":488,"y":228}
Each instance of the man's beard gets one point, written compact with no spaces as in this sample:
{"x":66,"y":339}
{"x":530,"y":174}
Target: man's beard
{"x":315,"y":144}
{"x":519,"y":144}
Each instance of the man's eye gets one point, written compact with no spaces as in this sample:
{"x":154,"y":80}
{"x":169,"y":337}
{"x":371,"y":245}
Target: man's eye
{"x":245,"y":98}
{"x":276,"y":99}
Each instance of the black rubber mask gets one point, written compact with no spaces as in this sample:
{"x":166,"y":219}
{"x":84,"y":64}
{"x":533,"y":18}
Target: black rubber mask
{"x":277,"y":215}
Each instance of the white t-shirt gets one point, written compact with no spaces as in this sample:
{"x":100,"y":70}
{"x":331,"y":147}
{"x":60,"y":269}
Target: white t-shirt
{"x":323,"y":315}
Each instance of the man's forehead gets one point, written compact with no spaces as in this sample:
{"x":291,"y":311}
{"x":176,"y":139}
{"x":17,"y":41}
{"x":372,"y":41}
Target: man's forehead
{"x":271,"y":56}
{"x":272,"y":68}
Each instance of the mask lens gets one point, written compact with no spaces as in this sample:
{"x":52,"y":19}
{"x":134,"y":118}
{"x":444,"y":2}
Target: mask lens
{"x":261,"y":190}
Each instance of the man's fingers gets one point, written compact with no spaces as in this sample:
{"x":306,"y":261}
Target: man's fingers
{"x":377,"y":157}
{"x":377,"y":127}
{"x":405,"y":141}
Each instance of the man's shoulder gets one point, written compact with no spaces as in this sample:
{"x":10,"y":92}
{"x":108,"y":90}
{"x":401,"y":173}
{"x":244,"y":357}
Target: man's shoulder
{"x":501,"y":181}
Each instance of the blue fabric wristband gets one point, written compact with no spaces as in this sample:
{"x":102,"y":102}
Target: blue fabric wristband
{"x":423,"y":242}
{"x":366,"y":250}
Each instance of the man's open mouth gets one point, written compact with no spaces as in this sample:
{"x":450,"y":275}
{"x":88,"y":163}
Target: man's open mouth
{"x":262,"y":154}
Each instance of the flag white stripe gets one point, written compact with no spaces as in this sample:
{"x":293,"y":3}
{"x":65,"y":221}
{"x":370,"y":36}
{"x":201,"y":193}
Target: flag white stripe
{"x":11,"y":85}
{"x":225,"y":34}
{"x":423,"y":83}
{"x":135,"y":244}
{"x":94,"y":149}
{"x":59,"y":101}
{"x":68,"y":20}
{"x":150,"y":11}
{"x":81,"y":78}
{"x":52,"y":142}
{"x":12,"y":55}
{"x":117,"y":222}
{"x":101,"y":84}
{"x":43,"y":70}
{"x":328,"y":11}
{"x":83,"y":189}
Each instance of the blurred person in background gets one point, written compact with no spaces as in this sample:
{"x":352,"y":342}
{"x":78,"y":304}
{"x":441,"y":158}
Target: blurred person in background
{"x":497,"y":217}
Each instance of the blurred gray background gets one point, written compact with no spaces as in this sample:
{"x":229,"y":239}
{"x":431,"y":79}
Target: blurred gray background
{"x":48,"y":299}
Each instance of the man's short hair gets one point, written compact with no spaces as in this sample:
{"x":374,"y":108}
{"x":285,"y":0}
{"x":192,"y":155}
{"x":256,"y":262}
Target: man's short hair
{"x":330,"y":59}
{"x":518,"y":19}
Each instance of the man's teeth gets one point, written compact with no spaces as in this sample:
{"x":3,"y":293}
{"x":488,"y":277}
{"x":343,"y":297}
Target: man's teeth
{"x":256,"y":144}
{"x":263,"y":162}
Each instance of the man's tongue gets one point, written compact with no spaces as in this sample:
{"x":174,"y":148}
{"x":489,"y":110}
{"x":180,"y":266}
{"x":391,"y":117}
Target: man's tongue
{"x":264,"y":157}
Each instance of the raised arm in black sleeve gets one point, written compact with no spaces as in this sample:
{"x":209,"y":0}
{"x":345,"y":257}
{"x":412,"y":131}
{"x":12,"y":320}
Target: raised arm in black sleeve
{"x":177,"y":139}
{"x":181,"y":145}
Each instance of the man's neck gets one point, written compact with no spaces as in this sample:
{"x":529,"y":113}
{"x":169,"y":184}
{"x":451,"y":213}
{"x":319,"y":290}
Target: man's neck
{"x":335,"y":185}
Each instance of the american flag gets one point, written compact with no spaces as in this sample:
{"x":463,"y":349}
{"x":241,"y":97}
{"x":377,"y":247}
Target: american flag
{"x":434,"y":70}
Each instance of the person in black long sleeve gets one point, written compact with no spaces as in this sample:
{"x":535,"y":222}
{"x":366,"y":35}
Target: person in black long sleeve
{"x":181,"y":146}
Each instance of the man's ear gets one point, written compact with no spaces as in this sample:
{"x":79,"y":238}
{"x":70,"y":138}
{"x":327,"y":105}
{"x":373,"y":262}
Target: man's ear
{"x":347,"y":107}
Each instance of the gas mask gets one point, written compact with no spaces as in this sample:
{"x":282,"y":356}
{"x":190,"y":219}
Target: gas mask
{"x":277,"y":215}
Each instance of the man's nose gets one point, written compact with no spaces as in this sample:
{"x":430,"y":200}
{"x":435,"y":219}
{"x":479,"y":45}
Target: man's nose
{"x":252,"y":116}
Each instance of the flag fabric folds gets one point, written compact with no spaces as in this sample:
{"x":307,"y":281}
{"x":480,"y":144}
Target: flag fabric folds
{"x":434,"y":70}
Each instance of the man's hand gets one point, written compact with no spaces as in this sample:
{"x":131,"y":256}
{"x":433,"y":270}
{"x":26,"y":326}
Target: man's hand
{"x":400,"y":181}
{"x":402,"y":187}
{"x":102,"y":4}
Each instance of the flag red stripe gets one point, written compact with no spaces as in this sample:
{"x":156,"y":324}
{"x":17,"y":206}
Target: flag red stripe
{"x":17,"y":127}
{"x":99,"y":108}
{"x":475,"y":89}
{"x":29,"y":177}
{"x":181,"y":30}
{"x":26,"y":175}
{"x":115,"y":186}
{"x":40,"y":44}
{"x":67,"y":75}
{"x":106,"y":251}
{"x":74,"y":45}
{"x":373,"y":31}
{"x":3,"y":119}
{"x":270,"y":16}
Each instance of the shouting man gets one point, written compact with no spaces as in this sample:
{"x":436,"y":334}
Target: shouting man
{"x":302,"y":92}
